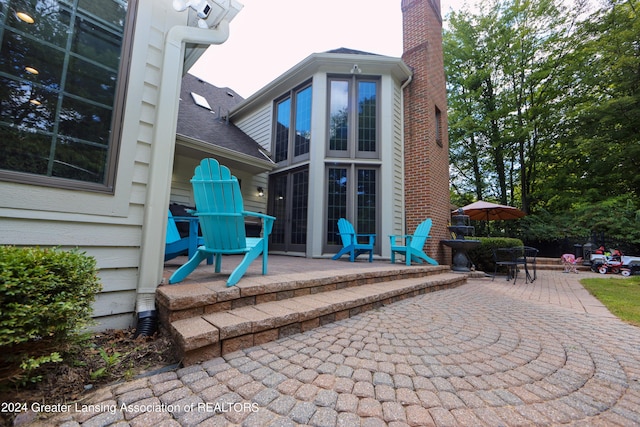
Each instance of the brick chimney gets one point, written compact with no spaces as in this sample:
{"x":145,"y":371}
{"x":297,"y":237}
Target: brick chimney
{"x":426,"y":144}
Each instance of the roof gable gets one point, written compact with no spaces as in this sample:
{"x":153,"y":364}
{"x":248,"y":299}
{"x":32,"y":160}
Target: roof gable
{"x":347,"y":51}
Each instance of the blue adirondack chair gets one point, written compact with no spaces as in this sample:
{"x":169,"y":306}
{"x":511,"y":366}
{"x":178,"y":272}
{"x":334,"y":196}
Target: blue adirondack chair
{"x":176,"y":245}
{"x":414,"y":244}
{"x":350,"y":242}
{"x":220,"y":209}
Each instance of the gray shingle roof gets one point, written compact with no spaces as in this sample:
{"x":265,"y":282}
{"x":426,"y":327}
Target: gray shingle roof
{"x":348,"y":51}
{"x":211,"y":126}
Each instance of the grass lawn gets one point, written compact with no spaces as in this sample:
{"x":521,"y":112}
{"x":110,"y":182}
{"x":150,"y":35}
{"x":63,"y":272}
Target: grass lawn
{"x":620,"y":296}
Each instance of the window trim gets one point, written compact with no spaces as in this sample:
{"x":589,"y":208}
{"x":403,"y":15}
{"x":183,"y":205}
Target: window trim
{"x":116,"y":126}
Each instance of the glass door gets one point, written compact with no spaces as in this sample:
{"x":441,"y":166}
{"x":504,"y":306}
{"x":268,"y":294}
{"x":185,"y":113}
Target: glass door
{"x":352,"y":194}
{"x":289,"y":200}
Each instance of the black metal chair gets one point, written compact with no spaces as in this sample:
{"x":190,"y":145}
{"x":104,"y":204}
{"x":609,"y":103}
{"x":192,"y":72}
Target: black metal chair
{"x":530,"y":254}
{"x":505,"y":257}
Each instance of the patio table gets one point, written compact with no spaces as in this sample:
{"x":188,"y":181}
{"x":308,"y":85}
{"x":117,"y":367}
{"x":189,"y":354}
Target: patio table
{"x":512,"y":258}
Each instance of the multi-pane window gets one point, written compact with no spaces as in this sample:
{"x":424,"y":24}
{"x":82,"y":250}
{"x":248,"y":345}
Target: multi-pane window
{"x":366,"y":201}
{"x":302,"y":137}
{"x":283,"y":120}
{"x":353,"y":117}
{"x":338,"y":115}
{"x":299,"y":207}
{"x":59,"y":67}
{"x":367,"y":116}
{"x":352,"y":194}
{"x":296,"y":117}
{"x":336,"y":202}
{"x":278,"y":190}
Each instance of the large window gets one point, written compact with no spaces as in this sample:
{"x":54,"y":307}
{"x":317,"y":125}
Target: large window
{"x":293,"y":112}
{"x":352,"y":184}
{"x":353,"y":117}
{"x":59,"y":68}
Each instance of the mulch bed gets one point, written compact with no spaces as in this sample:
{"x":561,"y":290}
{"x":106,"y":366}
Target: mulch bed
{"x":107,"y":357}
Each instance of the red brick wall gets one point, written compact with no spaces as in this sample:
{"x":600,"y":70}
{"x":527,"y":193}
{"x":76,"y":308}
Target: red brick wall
{"x":426,"y":160}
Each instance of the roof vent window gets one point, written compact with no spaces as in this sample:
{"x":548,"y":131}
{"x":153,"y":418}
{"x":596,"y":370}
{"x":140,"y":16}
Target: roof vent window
{"x":200,"y":100}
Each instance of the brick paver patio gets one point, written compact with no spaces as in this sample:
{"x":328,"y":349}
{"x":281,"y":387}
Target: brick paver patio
{"x":485,"y":353}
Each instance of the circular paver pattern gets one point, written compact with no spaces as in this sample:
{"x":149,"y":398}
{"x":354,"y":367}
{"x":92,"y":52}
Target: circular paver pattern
{"x":465,"y":356}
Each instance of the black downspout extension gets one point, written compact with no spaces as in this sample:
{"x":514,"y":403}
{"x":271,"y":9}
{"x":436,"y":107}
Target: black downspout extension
{"x":147,"y":324}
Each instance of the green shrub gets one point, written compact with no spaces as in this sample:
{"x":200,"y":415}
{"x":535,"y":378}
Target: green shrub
{"x":46,"y":298}
{"x":482,"y":256}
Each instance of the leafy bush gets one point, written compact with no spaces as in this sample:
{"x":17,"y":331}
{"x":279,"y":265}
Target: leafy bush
{"x":46,"y":297}
{"x":482,"y":256}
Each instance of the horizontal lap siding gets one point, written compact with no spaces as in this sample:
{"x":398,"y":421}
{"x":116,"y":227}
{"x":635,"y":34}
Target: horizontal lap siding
{"x":258,"y":126}
{"x":398,"y":164}
{"x":115,"y":248}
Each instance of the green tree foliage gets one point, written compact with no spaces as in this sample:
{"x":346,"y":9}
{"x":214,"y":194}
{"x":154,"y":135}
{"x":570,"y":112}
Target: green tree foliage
{"x":603,"y":116}
{"x":545,"y":113}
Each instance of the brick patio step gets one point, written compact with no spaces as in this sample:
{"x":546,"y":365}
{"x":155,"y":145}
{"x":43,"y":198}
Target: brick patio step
{"x":543,"y":263}
{"x":207,"y":335}
{"x":190,"y":299}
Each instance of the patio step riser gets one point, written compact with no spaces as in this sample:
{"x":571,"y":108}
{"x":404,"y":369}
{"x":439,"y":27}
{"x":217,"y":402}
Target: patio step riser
{"x":206,"y":336}
{"x":560,"y":267}
{"x":178,"y":302}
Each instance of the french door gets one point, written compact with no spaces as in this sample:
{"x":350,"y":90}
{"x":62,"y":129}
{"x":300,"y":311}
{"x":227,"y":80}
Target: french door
{"x":352,"y":194}
{"x":289,"y":201}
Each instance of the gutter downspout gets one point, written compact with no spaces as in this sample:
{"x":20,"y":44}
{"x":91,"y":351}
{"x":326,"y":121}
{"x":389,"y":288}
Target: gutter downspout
{"x":154,"y":226}
{"x":404,"y":85}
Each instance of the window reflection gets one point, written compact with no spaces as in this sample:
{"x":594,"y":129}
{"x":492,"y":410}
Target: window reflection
{"x":283,"y":111}
{"x":303,"y":122}
{"x":58,"y":78}
{"x":339,"y":112}
{"x":353,"y":115}
{"x":293,"y":125}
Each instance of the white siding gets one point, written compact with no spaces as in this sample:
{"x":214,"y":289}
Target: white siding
{"x":258,"y":125}
{"x":397,"y":190}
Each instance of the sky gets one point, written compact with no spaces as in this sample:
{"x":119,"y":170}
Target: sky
{"x":269,"y":37}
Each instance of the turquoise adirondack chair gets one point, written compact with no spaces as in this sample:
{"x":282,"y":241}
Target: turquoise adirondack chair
{"x":350,"y":242}
{"x":220,"y":209}
{"x":414,"y":244}
{"x":176,"y":245}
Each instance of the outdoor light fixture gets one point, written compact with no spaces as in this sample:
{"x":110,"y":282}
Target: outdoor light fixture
{"x":210,"y":12}
{"x":25,"y":17}
{"x":260,"y":192}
